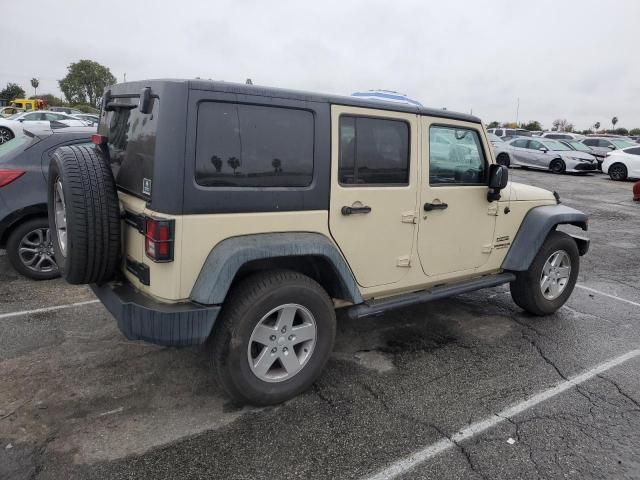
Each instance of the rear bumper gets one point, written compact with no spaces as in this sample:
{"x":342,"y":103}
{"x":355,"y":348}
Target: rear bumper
{"x":143,"y":318}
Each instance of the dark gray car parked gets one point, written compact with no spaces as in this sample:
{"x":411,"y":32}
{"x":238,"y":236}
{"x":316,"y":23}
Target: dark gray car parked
{"x":24,"y":226}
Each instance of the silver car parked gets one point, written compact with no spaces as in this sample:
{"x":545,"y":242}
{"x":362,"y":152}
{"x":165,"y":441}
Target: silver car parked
{"x":548,"y":155}
{"x":603,"y":145}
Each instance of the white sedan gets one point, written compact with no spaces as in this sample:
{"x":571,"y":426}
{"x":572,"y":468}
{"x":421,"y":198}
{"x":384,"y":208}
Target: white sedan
{"x":622,"y":164}
{"x":12,"y":126}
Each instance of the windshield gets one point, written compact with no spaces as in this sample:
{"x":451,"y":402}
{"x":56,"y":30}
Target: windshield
{"x":579,"y":146}
{"x":15,"y":116}
{"x":622,"y":143}
{"x":14,"y":144}
{"x":557,"y":146}
{"x":494,"y":138}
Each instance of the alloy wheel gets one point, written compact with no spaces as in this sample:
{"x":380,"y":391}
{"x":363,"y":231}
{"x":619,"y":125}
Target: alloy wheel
{"x":60,"y":209}
{"x":282,"y":342}
{"x":555,"y":275}
{"x":36,"y":251}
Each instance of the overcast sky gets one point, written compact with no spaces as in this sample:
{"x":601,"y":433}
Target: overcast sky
{"x":574,"y":59}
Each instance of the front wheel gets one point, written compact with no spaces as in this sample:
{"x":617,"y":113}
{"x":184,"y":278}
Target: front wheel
{"x":274,"y":337}
{"x":30,"y":250}
{"x":551,"y":277}
{"x":557,"y":166}
{"x":503,"y":159}
{"x":5,"y":135}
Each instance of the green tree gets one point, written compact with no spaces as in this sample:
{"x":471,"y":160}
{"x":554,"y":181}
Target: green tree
{"x":621,"y":131}
{"x":277,"y":165}
{"x":596,"y":125}
{"x":12,"y":91}
{"x":234,"y":163}
{"x":35,"y":83}
{"x":614,"y":120}
{"x":493,"y":124}
{"x":533,"y":126}
{"x":217,"y":163}
{"x":634,"y":131}
{"x":85,"y":82}
{"x":562,"y":125}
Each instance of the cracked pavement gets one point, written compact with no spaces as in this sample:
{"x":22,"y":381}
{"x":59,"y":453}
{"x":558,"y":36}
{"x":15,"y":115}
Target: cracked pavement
{"x":79,"y":401}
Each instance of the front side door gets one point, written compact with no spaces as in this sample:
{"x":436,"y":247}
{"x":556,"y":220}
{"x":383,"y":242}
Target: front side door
{"x":457,"y":222}
{"x":374,"y":191}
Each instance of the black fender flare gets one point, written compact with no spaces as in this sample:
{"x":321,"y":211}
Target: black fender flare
{"x":535,"y":227}
{"x":228,"y":256}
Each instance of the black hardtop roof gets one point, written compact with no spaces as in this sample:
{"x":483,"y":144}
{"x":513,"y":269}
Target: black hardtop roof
{"x":245,"y":89}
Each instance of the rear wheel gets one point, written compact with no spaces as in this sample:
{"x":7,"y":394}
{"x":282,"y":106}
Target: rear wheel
{"x":5,"y":135}
{"x":30,"y":250}
{"x":551,"y":277}
{"x":618,"y":172}
{"x":557,"y":166}
{"x":274,"y":337}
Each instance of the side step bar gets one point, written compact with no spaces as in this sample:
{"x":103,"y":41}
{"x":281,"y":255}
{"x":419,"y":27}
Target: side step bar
{"x":376,"y":307}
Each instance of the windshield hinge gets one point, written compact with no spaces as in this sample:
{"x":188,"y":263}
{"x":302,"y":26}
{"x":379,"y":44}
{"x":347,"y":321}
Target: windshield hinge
{"x":409,"y":217}
{"x":493,"y":209}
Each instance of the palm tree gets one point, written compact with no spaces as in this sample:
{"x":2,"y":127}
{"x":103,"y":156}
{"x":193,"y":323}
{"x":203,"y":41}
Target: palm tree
{"x":596,"y":126}
{"x":234,"y":163}
{"x":614,"y":120}
{"x":217,"y":163}
{"x":277,"y":164}
{"x":35,"y":83}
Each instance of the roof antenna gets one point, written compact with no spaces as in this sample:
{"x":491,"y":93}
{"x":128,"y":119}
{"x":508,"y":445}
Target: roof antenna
{"x":248,"y":81}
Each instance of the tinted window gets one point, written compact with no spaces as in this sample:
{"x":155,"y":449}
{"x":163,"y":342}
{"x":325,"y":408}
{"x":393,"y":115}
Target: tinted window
{"x":455,"y":156}
{"x":633,"y":151}
{"x":500,"y":132}
{"x":522,"y":143}
{"x":592,"y":142}
{"x":604,"y":143}
{"x":535,"y":145}
{"x":373,"y":151}
{"x":132,"y":146}
{"x":31,"y":117}
{"x":253,"y":146}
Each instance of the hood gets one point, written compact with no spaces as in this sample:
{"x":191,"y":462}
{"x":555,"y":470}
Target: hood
{"x":520,"y":191}
{"x":578,"y":154}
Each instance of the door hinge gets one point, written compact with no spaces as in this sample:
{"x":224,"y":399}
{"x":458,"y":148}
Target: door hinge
{"x":487,"y":248}
{"x":404,"y":261}
{"x":409,"y":217}
{"x":493,"y":209}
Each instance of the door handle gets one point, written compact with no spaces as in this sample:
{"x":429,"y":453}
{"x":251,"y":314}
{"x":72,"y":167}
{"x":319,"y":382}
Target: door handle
{"x":434,"y":206}
{"x":351,"y":210}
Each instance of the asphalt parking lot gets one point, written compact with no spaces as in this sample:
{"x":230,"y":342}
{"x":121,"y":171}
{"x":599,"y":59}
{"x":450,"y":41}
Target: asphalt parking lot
{"x":468,"y":387}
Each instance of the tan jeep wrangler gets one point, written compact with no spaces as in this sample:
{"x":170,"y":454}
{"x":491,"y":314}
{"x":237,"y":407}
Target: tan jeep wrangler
{"x":243,"y":216}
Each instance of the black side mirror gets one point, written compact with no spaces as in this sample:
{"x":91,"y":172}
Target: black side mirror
{"x":612,"y":147}
{"x":543,"y":149}
{"x":498,"y":179}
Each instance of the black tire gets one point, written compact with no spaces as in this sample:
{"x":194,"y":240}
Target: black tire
{"x":245,"y":306}
{"x":5,"y":135}
{"x":92,"y":215}
{"x":29,"y":230}
{"x":557,"y":166}
{"x":526,"y":291}
{"x":503,"y":159}
{"x":618,"y":172}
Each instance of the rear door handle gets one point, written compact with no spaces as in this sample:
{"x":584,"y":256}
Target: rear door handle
{"x":351,"y":210}
{"x":434,"y":206}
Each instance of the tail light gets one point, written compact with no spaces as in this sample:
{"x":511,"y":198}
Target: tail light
{"x":98,"y":139}
{"x":8,"y":176}
{"x":158,"y":239}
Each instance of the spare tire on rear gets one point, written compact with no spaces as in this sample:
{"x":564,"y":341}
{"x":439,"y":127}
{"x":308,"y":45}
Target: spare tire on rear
{"x":84,"y":215}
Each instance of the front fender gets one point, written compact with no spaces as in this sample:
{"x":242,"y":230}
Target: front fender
{"x":226,"y":258}
{"x":535,"y":227}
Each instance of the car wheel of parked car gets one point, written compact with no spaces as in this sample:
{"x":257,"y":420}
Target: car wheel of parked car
{"x":618,"y":171}
{"x":84,"y":209}
{"x":551,"y":277}
{"x":557,"y":166}
{"x":30,"y":250}
{"x":503,"y":159}
{"x":274,"y":337}
{"x":5,"y":135}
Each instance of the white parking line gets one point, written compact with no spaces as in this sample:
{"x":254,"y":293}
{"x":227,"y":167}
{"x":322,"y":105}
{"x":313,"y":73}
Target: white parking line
{"x":415,"y":459}
{"x":608,"y":295}
{"x":46,"y":309}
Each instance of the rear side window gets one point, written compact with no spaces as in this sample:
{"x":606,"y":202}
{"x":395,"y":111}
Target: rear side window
{"x":253,"y":146}
{"x":519,"y":143}
{"x":591,"y":142}
{"x":373,"y":151}
{"x":633,"y":151}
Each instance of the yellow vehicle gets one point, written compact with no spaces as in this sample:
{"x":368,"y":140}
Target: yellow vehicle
{"x":29,"y":104}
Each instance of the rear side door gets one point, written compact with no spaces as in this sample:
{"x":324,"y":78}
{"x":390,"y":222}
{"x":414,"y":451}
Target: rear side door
{"x":374,"y":191}
{"x":518,"y":151}
{"x":538,"y":158}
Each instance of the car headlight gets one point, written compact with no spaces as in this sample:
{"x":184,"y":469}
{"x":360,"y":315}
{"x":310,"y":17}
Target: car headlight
{"x":580,"y":159}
